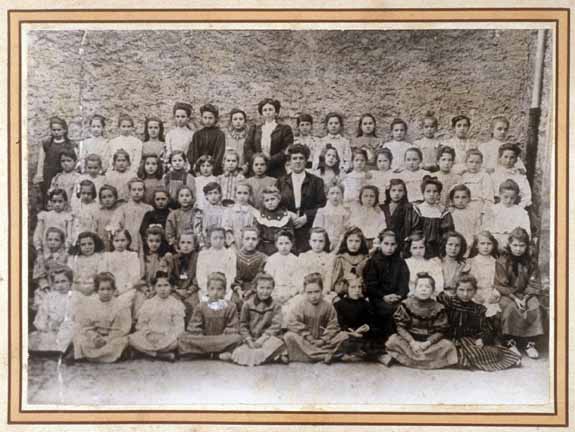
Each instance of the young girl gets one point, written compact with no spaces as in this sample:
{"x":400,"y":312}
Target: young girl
{"x":204,"y":169}
{"x":333,"y":217}
{"x":85,"y":211}
{"x":127,"y":142}
{"x":154,"y":139}
{"x":482,"y":267}
{"x":210,"y":140}
{"x":213,"y":210}
{"x":412,"y":174}
{"x":383,"y":174}
{"x":349,"y":261}
{"x":159,"y":322}
{"x":398,"y":145}
{"x":328,"y":166}
{"x":57,"y":217}
{"x":151,"y":173}
{"x":460,"y":142}
{"x":92,"y":170}
{"x":334,"y":128}
{"x":283,"y":266}
{"x":453,"y":263}
{"x":445,"y":174}
{"x":120,"y":175}
{"x":400,"y":214}
{"x":354,"y":181}
{"x":239,"y":215}
{"x":517,"y":280}
{"x":260,"y":326}
{"x":466,"y":220}
{"x":271,"y":219}
{"x":367,"y":139}
{"x":478,"y":182}
{"x":231,"y":176}
{"x":185,"y":265}
{"x":183,"y":218}
{"x":216,"y":258}
{"x":434,"y":219}
{"x":506,"y":170}
{"x":259,"y":180}
{"x":108,"y":205}
{"x":317,"y":259}
{"x":507,"y":214}
{"x":250,"y":262}
{"x":54,"y":320}
{"x":155,"y":255}
{"x":214,"y":326}
{"x":53,"y":256}
{"x":304,"y":124}
{"x":85,"y":261}
{"x":428,"y":144}
{"x":178,"y":175}
{"x":102,"y":324}
{"x":472,"y":332}
{"x":422,"y":325}
{"x":367,"y":215}
{"x":68,"y":177}
{"x":418,"y":262}
{"x":490,"y":149}
{"x":159,"y":215}
{"x":236,"y":136}
{"x":180,"y":137}
{"x":96,"y":144}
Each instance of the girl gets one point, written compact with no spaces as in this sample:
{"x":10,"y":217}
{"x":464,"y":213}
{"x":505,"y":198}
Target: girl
{"x":159,"y":322}
{"x":239,"y":215}
{"x":210,"y":140}
{"x":400,"y":214}
{"x":151,"y":173}
{"x":478,"y":182}
{"x":57,"y":217}
{"x":156,"y":254}
{"x":236,"y":136}
{"x":445,"y":174}
{"x":304,"y":127}
{"x":108,"y":205}
{"x":258,"y":179}
{"x":204,"y":169}
{"x":283,"y":266}
{"x":366,"y":138}
{"x":185,"y":264}
{"x":460,"y":142}
{"x":453,"y":263}
{"x":54,"y":320}
{"x":214,"y":326}
{"x":472,"y":332}
{"x":180,"y":137}
{"x":216,"y":258}
{"x":434,"y":219}
{"x":96,"y":144}
{"x":354,"y":181}
{"x":271,"y":219}
{"x":85,"y":261}
{"x":317,"y":259}
{"x":178,"y":176}
{"x":328,"y":166}
{"x":85,"y":211}
{"x":349,"y":261}
{"x":465,"y":220}
{"x":334,"y":127}
{"x":412,"y":175}
{"x":481,"y":261}
{"x":490,"y":149}
{"x":231,"y":176}
{"x":120,"y":175}
{"x":417,"y":261}
{"x":517,"y":280}
{"x":68,"y":177}
{"x":428,"y":144}
{"x":102,"y":324}
{"x":213,"y":210}
{"x":422,"y":325}
{"x":49,"y":154}
{"x":53,"y":256}
{"x":505,"y":170}
{"x":250,"y":261}
{"x":333,"y":217}
{"x":127,"y":142}
{"x":183,"y":218}
{"x":383,"y":174}
{"x":92,"y":170}
{"x":367,"y":215}
{"x":154,"y":138}
{"x":159,"y":215}
{"x":398,"y":145}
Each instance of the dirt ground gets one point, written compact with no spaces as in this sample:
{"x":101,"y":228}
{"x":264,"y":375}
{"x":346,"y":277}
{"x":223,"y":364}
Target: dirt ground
{"x":148,"y":382}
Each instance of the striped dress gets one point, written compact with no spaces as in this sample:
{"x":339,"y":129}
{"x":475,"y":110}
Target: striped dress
{"x":467,"y":324}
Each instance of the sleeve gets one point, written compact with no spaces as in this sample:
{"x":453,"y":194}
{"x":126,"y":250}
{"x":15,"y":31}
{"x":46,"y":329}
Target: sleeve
{"x":275,"y":326}
{"x":245,"y":322}
{"x":192,"y":150}
{"x":319,"y":220}
{"x":447,"y":223}
{"x":196,"y":324}
{"x":525,"y":190}
{"x":340,"y":319}
{"x":171,"y":229}
{"x":336,"y":273}
{"x":487,"y":190}
{"x":41,"y":318}
{"x":191,"y":183}
{"x":318,"y":199}
{"x":135,"y":269}
{"x":296,"y":322}
{"x":179,"y":318}
{"x":220,"y":146}
{"x":534,"y":281}
{"x":202,"y":271}
{"x":39,"y":231}
{"x":232,"y":320}
{"x":444,"y":299}
{"x":502,"y":282}
{"x":278,"y":159}
{"x":39,"y":177}
{"x":143,"y":316}
{"x":403,"y":322}
{"x":486,"y":330}
{"x":332,"y":328}
{"x":145,"y":223}
{"x":403,"y":282}
{"x":371,"y":278}
{"x":231,"y":271}
{"x":122,"y":323}
{"x":440,"y":326}
{"x":249,"y":144}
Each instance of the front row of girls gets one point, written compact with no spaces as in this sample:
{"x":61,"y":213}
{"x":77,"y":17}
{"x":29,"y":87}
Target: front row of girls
{"x":375,"y":315}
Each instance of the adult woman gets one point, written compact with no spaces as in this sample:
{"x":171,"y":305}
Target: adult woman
{"x":270,"y":138}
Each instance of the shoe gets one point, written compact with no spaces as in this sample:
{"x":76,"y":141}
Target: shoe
{"x":328,"y":358}
{"x":512,"y":345}
{"x":225,"y":356}
{"x":351,"y":358}
{"x":284,"y":358}
{"x":385,"y":359}
{"x":531,"y":351}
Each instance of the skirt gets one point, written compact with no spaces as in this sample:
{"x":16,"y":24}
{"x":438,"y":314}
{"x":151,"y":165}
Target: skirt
{"x":486,"y":358}
{"x":246,"y":356}
{"x":300,"y":350}
{"x":439,"y":355}
{"x":200,"y":344}
{"x":517,"y":323}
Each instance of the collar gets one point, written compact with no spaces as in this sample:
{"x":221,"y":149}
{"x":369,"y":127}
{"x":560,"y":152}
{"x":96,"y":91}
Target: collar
{"x":267,"y":302}
{"x":300,"y":176}
{"x":237,"y":135}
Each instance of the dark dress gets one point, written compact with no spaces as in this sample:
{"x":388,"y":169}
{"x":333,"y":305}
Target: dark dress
{"x":269,"y":223}
{"x":281,"y":139}
{"x":249,"y":264}
{"x":208,"y":141}
{"x":184,"y":270}
{"x":433,"y":227}
{"x":52,"y":152}
{"x":352,"y":314}
{"x":154,"y":217}
{"x":403,"y":221}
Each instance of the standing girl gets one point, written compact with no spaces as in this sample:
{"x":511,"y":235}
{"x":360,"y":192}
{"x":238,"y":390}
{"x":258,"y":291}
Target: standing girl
{"x":85,"y":211}
{"x":412,"y":174}
{"x":151,"y":172}
{"x":400,"y":215}
{"x":236,"y":136}
{"x":58,"y":217}
{"x":126,"y":141}
{"x":108,"y":205}
{"x":204,"y":170}
{"x":68,"y":177}
{"x":154,"y":138}
{"x":490,"y":149}
{"x":334,"y":127}
{"x":239,"y":215}
{"x":183,"y":218}
{"x":428,"y":144}
{"x":231,"y":176}
{"x":317,"y":259}
{"x":383,"y":174}
{"x":417,"y":261}
{"x":216,"y":258}
{"x":271,"y":219}
{"x":481,"y":261}
{"x":258,"y":179}
{"x":96,"y":144}
{"x":460,"y":142}
{"x":367,"y":215}
{"x":333,"y":217}
{"x":355,"y":180}
{"x":453,"y":263}
{"x":178,"y":175}
{"x":349,"y":261}
{"x":366,"y":138}
{"x":85,"y":261}
{"x":466,"y":220}
{"x":445,"y":174}
{"x":180,"y":137}
{"x":120,"y":175}
{"x":283,"y":266}
{"x":398,"y":145}
{"x":328,"y":166}
{"x":478,"y":182}
{"x":156,"y":254}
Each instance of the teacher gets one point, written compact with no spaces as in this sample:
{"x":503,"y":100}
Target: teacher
{"x":270,"y":138}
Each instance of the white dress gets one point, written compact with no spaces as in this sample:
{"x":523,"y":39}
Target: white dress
{"x":54,"y":323}
{"x":501,"y":174}
{"x":501,"y":220}
{"x":397,"y":149}
{"x":132,"y":145}
{"x":126,"y":268}
{"x":483,"y":269}
{"x":412,"y":180}
{"x":371,"y":220}
{"x":179,"y":138}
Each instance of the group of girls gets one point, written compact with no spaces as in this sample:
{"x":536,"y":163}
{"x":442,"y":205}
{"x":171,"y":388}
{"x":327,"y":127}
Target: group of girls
{"x":252,"y":246}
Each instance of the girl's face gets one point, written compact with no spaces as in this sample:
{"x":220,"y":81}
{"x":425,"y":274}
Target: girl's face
{"x":333,"y":126}
{"x":180,"y":118}
{"x":242,"y":195}
{"x":259,"y":166}
{"x":412,"y":160}
{"x":368,"y":198}
{"x":423,"y":289}
{"x":57,"y":130}
{"x":297,"y":162}
{"x":359,"y":163}
{"x":317,"y":242}
{"x":58,"y":203}
{"x":249,"y":241}
{"x":214,"y":197}
{"x":461,"y":128}
{"x":137,"y":191}
{"x":231,"y":163}
{"x":185,"y":198}
{"x":107,"y":198}
{"x":269,"y":112}
{"x":334,"y":195}
{"x":96,"y":128}
{"x":500,"y":130}
{"x":517,"y":247}
{"x":163,"y":288}
{"x":53,"y":241}
{"x":238,"y":121}
{"x":61,"y":283}
{"x":417,"y":248}
{"x":460,"y":199}
{"x":271,"y":202}
{"x":126,"y":127}
{"x":398,"y":132}
{"x":508,"y":159}
{"x":388,"y":245}
{"x":396,"y":193}
{"x":186,"y":243}
{"x":264,"y":289}
{"x":353,"y":243}
{"x":106,"y":291}
{"x":445,"y":163}
{"x":216,"y":290}
{"x":354,"y":290}
{"x":313,"y":293}
{"x":86,"y":195}
{"x":429,"y":128}
{"x":208,"y":119}
{"x":154,"y":241}
{"x":508,"y":197}
{"x":331,"y":158}
{"x":120,"y":242}
{"x":453,"y":247}
{"x":151,"y":166}
{"x":217,"y":240}
{"x":473,"y":163}
{"x":283,"y":244}
{"x":465,"y":291}
{"x":93,"y":168}
{"x":67,"y":163}
{"x":305,"y":128}
{"x":383,"y":162}
{"x":87,"y":246}
{"x":431,"y":194}
{"x":153,"y":129}
{"x":178,"y":162}
{"x":367,"y":126}
{"x":121,"y":164}
{"x":484,"y":245}
{"x":206,"y":169}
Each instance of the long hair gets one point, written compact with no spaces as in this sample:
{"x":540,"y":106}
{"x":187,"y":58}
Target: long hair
{"x":322,"y":166}
{"x":354,"y":230}
{"x":160,"y":123}
{"x":142,"y":169}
